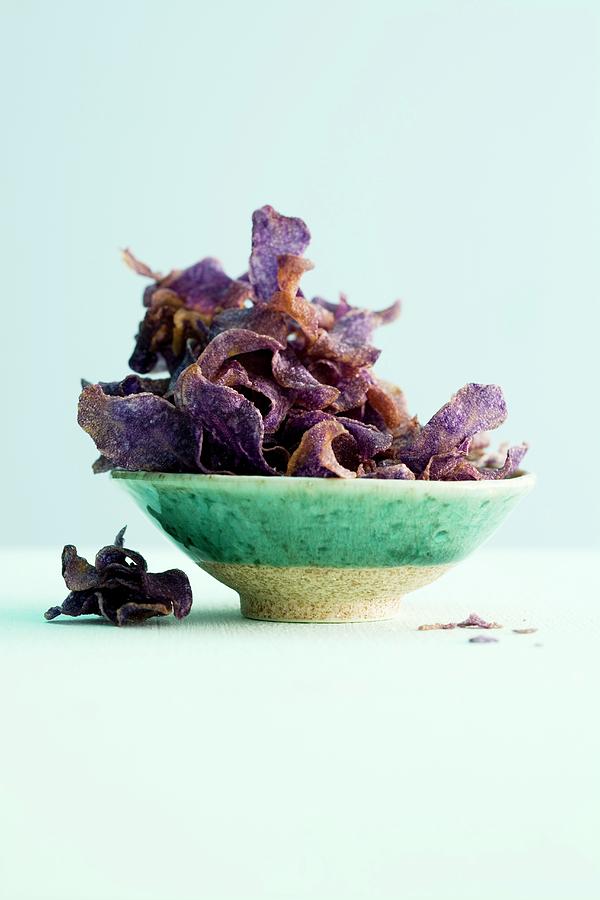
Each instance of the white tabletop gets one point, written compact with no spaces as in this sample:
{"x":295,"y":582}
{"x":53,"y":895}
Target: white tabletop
{"x":221,"y":758}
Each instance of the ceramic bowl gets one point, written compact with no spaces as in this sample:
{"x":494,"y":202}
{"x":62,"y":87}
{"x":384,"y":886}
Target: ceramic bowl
{"x":323,"y":549}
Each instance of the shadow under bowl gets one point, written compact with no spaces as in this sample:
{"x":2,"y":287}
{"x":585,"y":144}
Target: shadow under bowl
{"x":323,"y":549}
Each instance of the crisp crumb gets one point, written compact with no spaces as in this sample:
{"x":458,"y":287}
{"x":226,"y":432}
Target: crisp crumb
{"x":483,"y":639}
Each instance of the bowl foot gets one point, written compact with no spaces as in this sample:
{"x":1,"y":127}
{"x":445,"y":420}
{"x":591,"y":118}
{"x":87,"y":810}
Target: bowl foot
{"x":319,"y":593}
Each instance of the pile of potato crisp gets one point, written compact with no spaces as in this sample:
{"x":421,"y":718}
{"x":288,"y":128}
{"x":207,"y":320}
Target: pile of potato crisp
{"x":251,"y":377}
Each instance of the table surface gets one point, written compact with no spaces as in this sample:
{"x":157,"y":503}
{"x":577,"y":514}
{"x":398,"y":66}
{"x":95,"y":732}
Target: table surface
{"x":223,"y":758}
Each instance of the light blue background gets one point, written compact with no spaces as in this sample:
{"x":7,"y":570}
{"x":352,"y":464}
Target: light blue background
{"x":446,"y":153}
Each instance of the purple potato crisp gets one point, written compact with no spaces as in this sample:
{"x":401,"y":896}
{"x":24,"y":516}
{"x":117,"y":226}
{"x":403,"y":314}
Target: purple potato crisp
{"x":248,"y":376}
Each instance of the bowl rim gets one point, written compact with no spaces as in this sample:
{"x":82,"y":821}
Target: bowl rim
{"x":520,"y":481}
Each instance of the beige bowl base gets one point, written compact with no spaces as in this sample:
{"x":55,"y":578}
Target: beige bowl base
{"x":319,"y":593}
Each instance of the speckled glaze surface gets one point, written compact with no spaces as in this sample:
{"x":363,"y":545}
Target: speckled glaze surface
{"x":308,"y":549}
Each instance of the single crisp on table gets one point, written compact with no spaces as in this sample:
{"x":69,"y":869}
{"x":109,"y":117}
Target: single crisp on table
{"x":251,"y":376}
{"x":119,"y":587}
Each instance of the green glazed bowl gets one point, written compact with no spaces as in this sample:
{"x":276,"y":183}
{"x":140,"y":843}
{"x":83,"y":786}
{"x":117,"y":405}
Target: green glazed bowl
{"x":323,"y":549}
